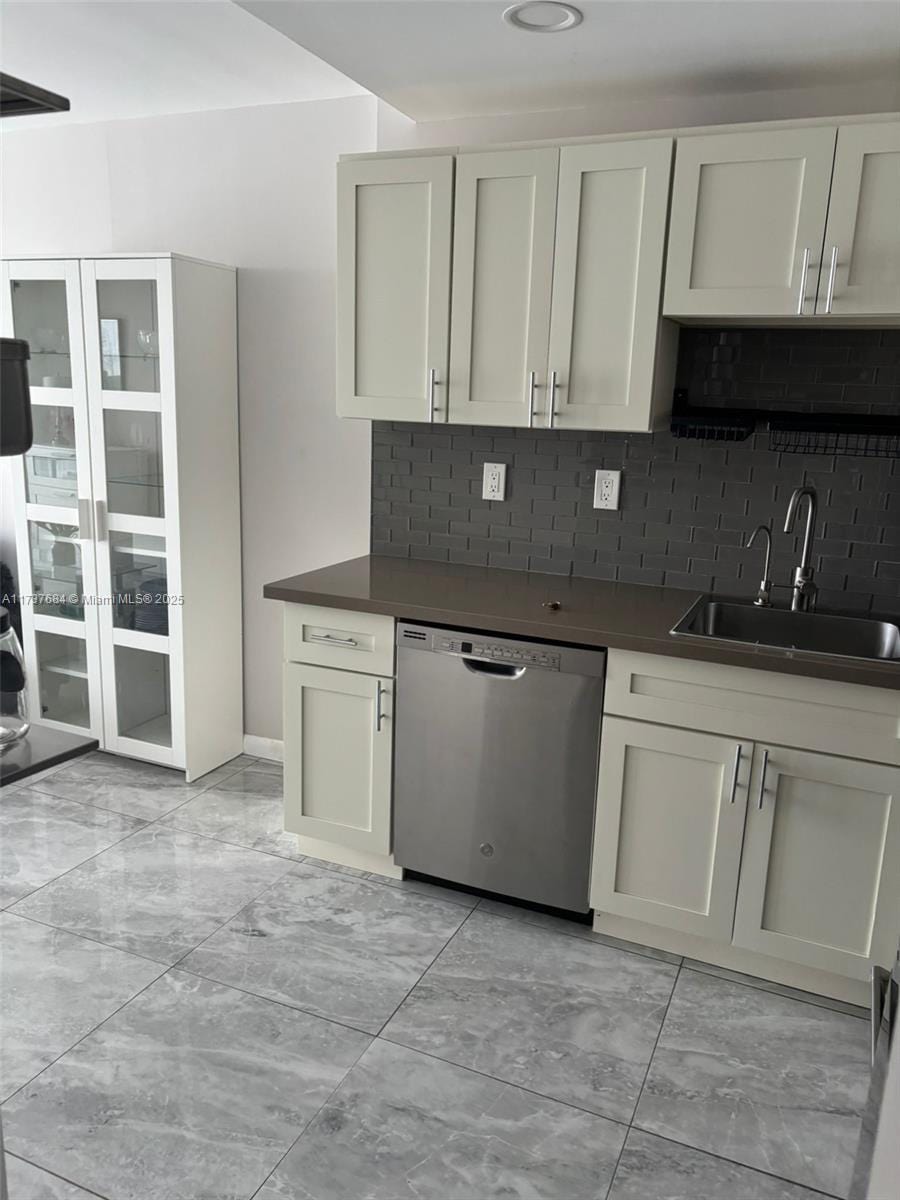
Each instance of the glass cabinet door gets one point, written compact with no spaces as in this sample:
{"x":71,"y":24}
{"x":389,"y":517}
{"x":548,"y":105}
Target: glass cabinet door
{"x":56,"y":562}
{"x":130,"y":372}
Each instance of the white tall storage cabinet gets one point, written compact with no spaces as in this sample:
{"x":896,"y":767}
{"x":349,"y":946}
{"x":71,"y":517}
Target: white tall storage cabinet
{"x":128,"y":511}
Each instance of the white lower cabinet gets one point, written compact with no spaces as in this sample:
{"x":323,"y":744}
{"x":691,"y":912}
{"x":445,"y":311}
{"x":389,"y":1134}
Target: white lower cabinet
{"x":337,"y":761}
{"x":670,"y":818}
{"x":816,"y":881}
{"x":820,"y":873}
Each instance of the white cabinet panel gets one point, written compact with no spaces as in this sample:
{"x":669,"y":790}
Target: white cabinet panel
{"x":610,"y":237}
{"x":747,"y":223}
{"x":670,"y":816}
{"x":394,"y":237}
{"x":502,"y":270}
{"x":337,"y":765}
{"x":862,"y":238}
{"x":819,"y":884}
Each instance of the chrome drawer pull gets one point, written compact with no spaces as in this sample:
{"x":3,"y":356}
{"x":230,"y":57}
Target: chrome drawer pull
{"x":762,"y":781}
{"x":335,"y":641}
{"x":804,"y":271}
{"x":379,"y":714}
{"x":737,"y":771}
{"x":829,"y":297}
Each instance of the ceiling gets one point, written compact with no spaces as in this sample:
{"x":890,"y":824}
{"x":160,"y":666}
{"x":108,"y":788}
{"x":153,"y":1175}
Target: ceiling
{"x":138,"y":58}
{"x":440,"y":59}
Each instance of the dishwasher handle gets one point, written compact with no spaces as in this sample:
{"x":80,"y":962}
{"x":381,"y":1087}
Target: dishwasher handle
{"x":496,"y":670}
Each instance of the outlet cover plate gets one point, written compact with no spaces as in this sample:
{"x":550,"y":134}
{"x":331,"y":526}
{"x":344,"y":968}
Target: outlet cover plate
{"x":493,"y":485}
{"x":606,"y":489}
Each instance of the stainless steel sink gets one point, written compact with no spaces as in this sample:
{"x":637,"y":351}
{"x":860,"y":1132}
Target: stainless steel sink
{"x":813,"y":633}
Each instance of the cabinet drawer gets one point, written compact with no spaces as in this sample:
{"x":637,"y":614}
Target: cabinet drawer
{"x":331,"y":637}
{"x":812,"y":714}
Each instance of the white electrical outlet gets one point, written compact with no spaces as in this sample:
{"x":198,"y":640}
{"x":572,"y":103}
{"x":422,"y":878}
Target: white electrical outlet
{"x":606,"y":489}
{"x":493,"y":486}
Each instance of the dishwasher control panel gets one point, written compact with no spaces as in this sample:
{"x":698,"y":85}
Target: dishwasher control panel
{"x":507,"y":652}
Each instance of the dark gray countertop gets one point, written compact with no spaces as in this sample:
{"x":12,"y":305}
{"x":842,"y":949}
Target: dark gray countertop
{"x":619,"y":616}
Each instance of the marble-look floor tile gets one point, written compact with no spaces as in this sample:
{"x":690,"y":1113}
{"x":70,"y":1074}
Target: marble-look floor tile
{"x":122,"y":785}
{"x":158,"y":894}
{"x":331,"y":944}
{"x":403,"y":1125}
{"x":41,"y":836}
{"x":269,"y":765}
{"x":54,"y":988}
{"x":246,"y":810}
{"x":761,"y":1079}
{"x":580,"y":929}
{"x":780,"y":989}
{"x":652,"y":1168}
{"x":27,"y":1182}
{"x":192,"y":1090}
{"x":570,"y":1019}
{"x":423,"y":888}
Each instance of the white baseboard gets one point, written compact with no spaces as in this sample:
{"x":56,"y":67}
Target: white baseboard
{"x":261,"y":747}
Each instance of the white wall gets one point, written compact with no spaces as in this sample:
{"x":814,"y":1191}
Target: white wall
{"x":629,"y":115}
{"x":253,"y":187}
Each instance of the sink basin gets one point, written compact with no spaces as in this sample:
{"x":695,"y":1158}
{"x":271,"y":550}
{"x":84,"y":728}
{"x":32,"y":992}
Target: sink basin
{"x":813,"y":633}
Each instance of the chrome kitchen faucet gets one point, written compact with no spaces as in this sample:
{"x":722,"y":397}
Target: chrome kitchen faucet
{"x":804,"y":589}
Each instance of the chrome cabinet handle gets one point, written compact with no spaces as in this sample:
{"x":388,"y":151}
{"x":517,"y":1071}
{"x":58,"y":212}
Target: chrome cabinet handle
{"x":432,"y":384}
{"x":335,"y":641}
{"x":100,"y":520}
{"x":804,"y":271}
{"x":736,"y":772}
{"x":832,"y":272}
{"x":762,"y":781}
{"x":532,"y":384}
{"x":84,"y":519}
{"x":379,"y":714}
{"x":551,"y":388}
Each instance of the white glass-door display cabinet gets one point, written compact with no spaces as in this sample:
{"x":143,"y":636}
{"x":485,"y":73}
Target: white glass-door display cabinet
{"x":128,"y":538}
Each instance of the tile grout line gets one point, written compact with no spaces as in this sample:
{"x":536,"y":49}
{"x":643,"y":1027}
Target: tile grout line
{"x":644,"y":1080}
{"x":56,"y":1175}
{"x":410,"y":990}
{"x":815,"y":1001}
{"x":87,"y":1034}
{"x":86,"y":937}
{"x":816,"y":1191}
{"x":306,"y":1126}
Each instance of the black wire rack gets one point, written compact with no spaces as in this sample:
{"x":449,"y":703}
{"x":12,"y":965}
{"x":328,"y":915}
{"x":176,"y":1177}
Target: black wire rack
{"x":854,"y":434}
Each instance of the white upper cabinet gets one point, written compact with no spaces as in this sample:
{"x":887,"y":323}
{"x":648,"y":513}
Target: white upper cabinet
{"x":748,"y":222}
{"x":610,"y":239}
{"x":502,"y":270}
{"x":861,"y":271}
{"x":393,"y":287}
{"x":819,"y":884}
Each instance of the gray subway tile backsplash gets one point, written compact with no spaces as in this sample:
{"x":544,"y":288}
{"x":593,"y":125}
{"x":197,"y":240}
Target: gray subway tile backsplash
{"x":686,"y":506}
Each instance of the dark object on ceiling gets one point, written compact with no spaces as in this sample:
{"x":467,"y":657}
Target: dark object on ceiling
{"x":18,"y":98}
{"x":16,"y":434}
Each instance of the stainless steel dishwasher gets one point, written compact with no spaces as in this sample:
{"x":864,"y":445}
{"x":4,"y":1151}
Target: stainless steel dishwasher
{"x":495,"y":772}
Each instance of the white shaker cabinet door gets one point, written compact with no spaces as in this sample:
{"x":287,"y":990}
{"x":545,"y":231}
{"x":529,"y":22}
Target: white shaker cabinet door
{"x":819,"y":882}
{"x":670,"y":818}
{"x":861,"y":271}
{"x":748,"y":222}
{"x":610,"y":241}
{"x":502,"y":270}
{"x":393,"y":287}
{"x":337,"y":765}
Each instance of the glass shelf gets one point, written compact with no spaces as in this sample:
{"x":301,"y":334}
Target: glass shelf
{"x":129,"y":335}
{"x":51,"y":470}
{"x":41,"y":318}
{"x":134,"y":463}
{"x":56,"y":575}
